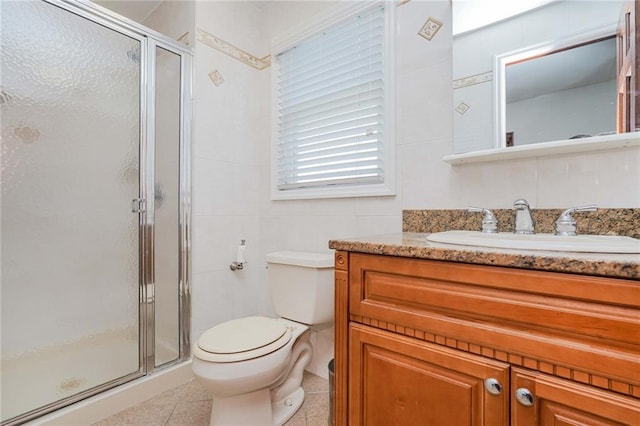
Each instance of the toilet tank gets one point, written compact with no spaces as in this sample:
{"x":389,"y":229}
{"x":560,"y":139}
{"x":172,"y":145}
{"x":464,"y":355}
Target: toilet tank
{"x":301,"y":285}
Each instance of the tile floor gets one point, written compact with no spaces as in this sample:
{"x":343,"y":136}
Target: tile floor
{"x":190,"y":405}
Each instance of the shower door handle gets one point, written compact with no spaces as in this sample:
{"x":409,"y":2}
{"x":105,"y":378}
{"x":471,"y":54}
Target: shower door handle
{"x":138,"y":205}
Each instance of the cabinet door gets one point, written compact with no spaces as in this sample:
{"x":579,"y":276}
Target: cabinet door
{"x":559,"y":402}
{"x":398,"y":380}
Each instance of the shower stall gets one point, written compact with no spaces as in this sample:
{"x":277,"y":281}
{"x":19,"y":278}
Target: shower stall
{"x":95,"y":203}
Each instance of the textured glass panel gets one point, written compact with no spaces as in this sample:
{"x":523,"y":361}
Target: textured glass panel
{"x":167,"y":170}
{"x":70,"y":141}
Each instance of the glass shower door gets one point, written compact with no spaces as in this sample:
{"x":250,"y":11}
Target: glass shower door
{"x":167,"y":205}
{"x":70,"y":103}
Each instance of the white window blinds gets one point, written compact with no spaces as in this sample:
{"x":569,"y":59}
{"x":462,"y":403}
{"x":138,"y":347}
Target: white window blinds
{"x":330,"y":103}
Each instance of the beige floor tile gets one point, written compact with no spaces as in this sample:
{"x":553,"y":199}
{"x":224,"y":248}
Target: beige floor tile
{"x":142,"y":415}
{"x":195,"y":413}
{"x":316,"y":405}
{"x":312,"y":383}
{"x":195,"y":392}
{"x":154,"y":411}
{"x":190,"y":405}
{"x":317,"y":421}
{"x":298,"y":419}
{"x":172,"y":396}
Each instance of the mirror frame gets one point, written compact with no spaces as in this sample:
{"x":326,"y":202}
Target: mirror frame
{"x":527,"y":53}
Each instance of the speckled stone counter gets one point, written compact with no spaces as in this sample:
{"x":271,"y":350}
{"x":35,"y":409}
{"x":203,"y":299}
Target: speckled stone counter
{"x":601,"y":222}
{"x":415,"y":245}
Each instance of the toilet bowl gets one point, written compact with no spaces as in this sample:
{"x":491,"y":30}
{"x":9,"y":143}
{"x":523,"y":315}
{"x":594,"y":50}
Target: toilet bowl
{"x":254,"y":366}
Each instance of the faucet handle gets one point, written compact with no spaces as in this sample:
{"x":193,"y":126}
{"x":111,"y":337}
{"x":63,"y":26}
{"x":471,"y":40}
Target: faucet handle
{"x":566,"y":224}
{"x":520,"y":203}
{"x":489,"y":221}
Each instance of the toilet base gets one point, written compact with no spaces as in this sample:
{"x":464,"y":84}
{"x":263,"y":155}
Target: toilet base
{"x":255,"y":408}
{"x":247,"y":409}
{"x":284,"y":409}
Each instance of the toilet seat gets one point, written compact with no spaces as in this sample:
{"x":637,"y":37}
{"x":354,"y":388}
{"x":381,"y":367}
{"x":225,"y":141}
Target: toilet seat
{"x":242,"y":339}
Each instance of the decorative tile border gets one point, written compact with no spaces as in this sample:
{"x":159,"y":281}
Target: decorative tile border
{"x":236,"y":53}
{"x":474,"y":79}
{"x":216,"y":77}
{"x":462,"y":108}
{"x":430,"y":28}
{"x":185,"y":39}
{"x":266,"y":61}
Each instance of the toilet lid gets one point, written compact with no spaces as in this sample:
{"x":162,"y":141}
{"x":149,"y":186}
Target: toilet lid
{"x":244,"y":338}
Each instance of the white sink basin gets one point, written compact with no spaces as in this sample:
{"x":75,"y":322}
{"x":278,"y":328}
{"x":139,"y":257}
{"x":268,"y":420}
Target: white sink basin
{"x":578,"y":243}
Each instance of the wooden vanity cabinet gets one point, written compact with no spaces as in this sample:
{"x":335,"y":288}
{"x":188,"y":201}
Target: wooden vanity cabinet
{"x":421,"y":342}
{"x":403,"y":381}
{"x":563,"y":402}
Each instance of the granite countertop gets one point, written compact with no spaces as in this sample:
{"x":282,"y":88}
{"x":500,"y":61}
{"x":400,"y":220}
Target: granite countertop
{"x":415,"y":245}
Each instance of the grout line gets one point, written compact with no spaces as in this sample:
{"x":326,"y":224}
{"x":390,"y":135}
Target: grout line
{"x":172,"y":411}
{"x":178,"y":401}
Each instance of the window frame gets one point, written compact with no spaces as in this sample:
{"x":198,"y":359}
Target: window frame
{"x":310,"y":28}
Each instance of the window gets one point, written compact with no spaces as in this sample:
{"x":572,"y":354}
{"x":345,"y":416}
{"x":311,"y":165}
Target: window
{"x":332,"y":135}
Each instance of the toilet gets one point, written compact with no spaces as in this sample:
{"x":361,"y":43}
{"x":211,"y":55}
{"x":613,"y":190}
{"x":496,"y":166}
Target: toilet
{"x":253,"y":366}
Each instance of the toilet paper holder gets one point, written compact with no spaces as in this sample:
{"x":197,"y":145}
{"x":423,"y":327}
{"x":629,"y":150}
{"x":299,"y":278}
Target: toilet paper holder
{"x":238,"y":265}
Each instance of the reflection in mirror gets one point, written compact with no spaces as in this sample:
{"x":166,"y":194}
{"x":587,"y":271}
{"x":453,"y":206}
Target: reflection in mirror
{"x":568,"y":93}
{"x":494,"y":101}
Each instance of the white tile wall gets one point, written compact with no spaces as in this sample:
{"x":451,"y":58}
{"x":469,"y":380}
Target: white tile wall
{"x":424,"y":101}
{"x":172,"y":18}
{"x":230,"y":144}
{"x":607,"y":178}
{"x":414,"y":52}
{"x":322,"y":343}
{"x":472,"y":131}
{"x":231,"y":164}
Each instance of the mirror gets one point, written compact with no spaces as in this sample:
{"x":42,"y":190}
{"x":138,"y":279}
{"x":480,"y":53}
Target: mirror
{"x":569,"y":87}
{"x":546,"y":70}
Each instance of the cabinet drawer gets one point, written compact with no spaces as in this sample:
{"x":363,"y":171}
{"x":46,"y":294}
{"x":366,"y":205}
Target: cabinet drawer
{"x":567,"y":321}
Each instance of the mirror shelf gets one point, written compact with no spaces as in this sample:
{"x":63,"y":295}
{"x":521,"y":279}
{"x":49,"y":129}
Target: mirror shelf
{"x":569,"y":146}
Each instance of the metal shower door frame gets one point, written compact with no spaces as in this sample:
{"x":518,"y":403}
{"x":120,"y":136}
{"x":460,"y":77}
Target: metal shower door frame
{"x":149,"y":40}
{"x":147,"y":296}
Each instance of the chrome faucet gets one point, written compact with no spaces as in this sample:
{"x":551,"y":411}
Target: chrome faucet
{"x":566,"y":225}
{"x":489,"y":221}
{"x":524,"y":221}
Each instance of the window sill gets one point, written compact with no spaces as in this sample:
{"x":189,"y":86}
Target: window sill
{"x":337,"y":192}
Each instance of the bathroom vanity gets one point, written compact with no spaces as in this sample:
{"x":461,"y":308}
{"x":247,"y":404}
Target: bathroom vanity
{"x":437,"y":334}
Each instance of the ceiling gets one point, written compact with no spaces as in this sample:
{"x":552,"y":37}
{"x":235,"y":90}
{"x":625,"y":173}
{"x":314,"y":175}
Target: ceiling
{"x":136,"y":10}
{"x":469,"y":15}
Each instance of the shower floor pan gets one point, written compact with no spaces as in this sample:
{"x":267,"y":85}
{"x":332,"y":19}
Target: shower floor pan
{"x":38,"y":378}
